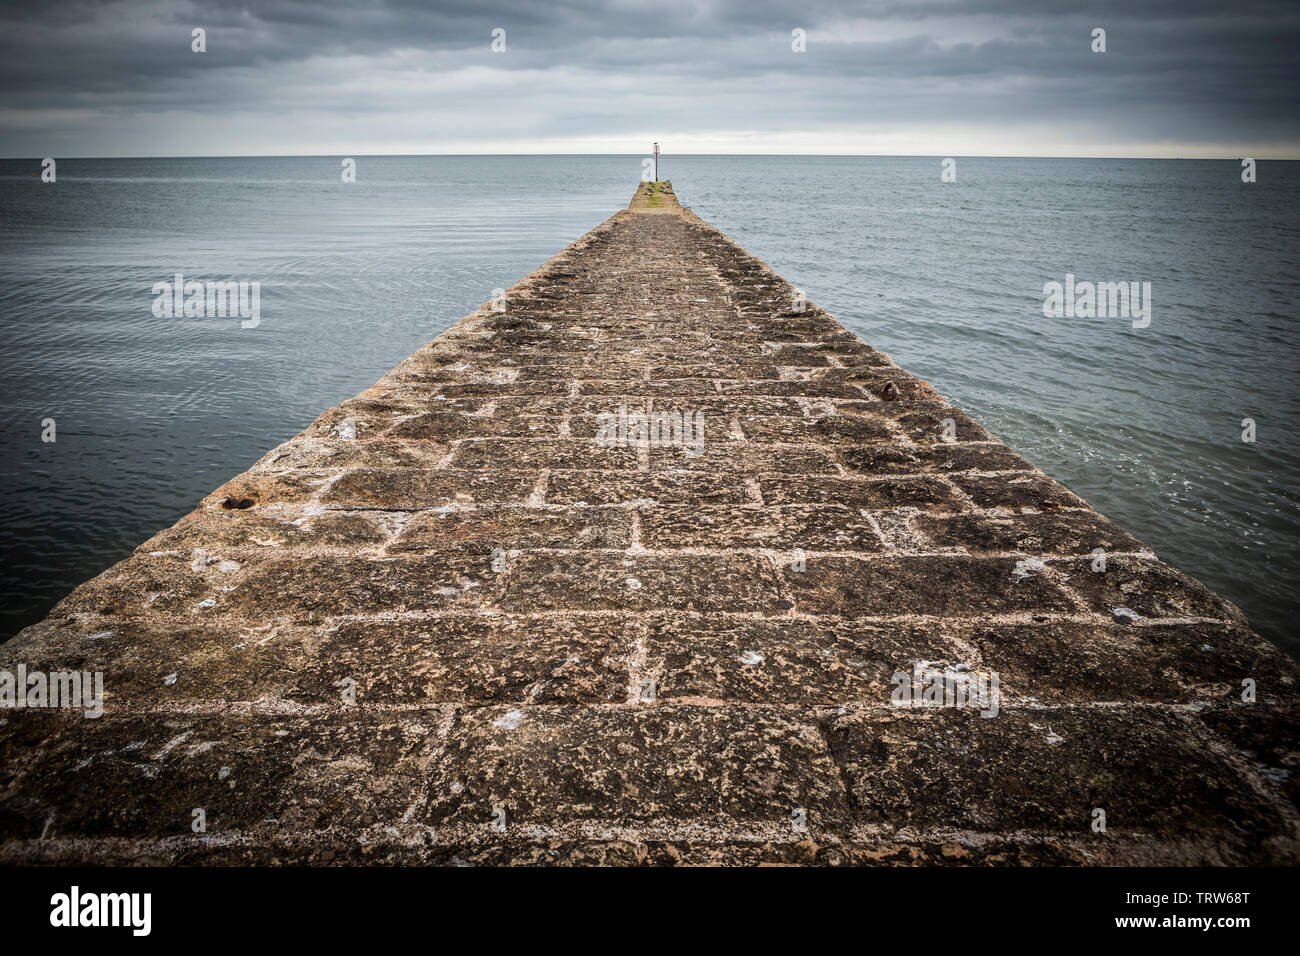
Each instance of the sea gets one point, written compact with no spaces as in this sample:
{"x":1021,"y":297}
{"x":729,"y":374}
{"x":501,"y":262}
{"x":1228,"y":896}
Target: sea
{"x":1180,"y":425}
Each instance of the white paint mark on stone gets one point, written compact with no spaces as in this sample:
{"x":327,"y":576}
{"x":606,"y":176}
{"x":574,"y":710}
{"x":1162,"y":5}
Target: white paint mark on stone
{"x":172,"y":744}
{"x":1027,"y":568}
{"x":510,"y":721}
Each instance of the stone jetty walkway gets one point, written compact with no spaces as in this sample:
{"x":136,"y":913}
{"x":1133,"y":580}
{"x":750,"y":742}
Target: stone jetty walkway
{"x":486,"y":612}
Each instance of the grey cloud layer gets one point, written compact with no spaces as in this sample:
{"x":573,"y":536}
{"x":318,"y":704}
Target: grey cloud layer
{"x":85,"y":75}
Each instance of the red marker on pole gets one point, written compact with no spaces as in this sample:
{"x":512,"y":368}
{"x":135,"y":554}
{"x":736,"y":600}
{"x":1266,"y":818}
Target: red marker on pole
{"x":656,"y":162}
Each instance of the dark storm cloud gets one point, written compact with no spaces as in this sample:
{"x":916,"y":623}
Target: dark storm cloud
{"x":287,"y":75}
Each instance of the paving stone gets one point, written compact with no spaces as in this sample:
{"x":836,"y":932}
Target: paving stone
{"x":1024,"y":494}
{"x":546,"y":764}
{"x":487,"y":530}
{"x":145,"y":776}
{"x":1072,"y":533}
{"x":794,"y":661}
{"x":1145,"y":586}
{"x":789,"y":527}
{"x":944,"y":458}
{"x":870,"y":494}
{"x":614,"y":581}
{"x":411,"y":489}
{"x":1060,"y":662}
{"x":664,"y":487}
{"x":948,"y":585}
{"x":1150,"y":772}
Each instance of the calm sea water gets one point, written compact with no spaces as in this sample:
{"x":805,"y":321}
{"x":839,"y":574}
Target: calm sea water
{"x":1144,"y":423}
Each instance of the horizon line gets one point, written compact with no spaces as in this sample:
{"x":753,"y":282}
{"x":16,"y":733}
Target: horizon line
{"x":1260,"y":158}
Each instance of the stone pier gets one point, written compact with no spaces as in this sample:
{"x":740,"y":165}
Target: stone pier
{"x":622,"y":570}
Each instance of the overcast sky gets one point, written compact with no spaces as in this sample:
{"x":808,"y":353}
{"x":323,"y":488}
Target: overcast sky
{"x":928,"y":77}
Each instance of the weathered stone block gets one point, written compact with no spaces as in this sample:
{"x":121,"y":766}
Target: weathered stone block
{"x":692,"y":765}
{"x":947,"y":585}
